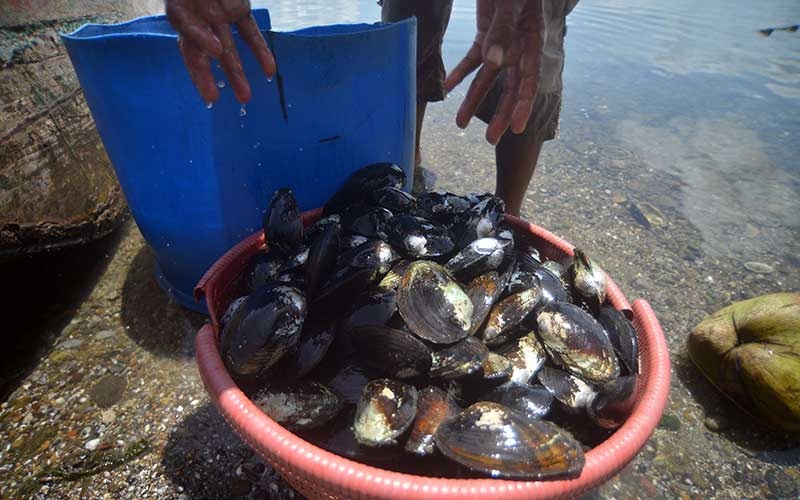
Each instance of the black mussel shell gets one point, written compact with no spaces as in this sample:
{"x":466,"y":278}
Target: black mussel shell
{"x":372,"y":254}
{"x":495,"y":370}
{"x":521,"y":280}
{"x":384,"y":412}
{"x":497,"y":441}
{"x":527,"y":356}
{"x":292,"y":278}
{"x":346,"y":283}
{"x":474,"y":198}
{"x":350,"y":380}
{"x":419,"y":238}
{"x":589,"y":281}
{"x":480,"y":256}
{"x":614,"y":402}
{"x":528,"y":258}
{"x":459,"y":359}
{"x":553,"y":288}
{"x":283,"y":227}
{"x":439,"y":205}
{"x":315,"y":339}
{"x":322,"y":257}
{"x":433,"y":304}
{"x":361,"y":183}
{"x":264,"y":268}
{"x":623,"y":337}
{"x":371,"y":308}
{"x":296,"y":260}
{"x":369,"y":222}
{"x":311,"y":233}
{"x":558,"y":270}
{"x":393,"y":352}
{"x":392,"y":279}
{"x":577,"y":342}
{"x":352,"y":241}
{"x":230,"y":311}
{"x":394,"y":199}
{"x":533,"y":401}
{"x":483,"y":291}
{"x":572,"y":392}
{"x":434,"y":406}
{"x":262,"y":330}
{"x":478,"y":222}
{"x":507,"y":314}
{"x":299,"y":405}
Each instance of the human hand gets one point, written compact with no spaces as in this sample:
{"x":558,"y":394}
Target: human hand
{"x":510,"y":36}
{"x":204,"y":29}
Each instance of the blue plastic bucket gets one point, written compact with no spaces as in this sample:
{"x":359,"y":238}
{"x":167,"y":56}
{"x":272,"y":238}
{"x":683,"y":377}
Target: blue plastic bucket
{"x":198,"y":180}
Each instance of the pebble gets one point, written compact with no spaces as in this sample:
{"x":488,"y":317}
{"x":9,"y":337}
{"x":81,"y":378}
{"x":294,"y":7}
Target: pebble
{"x":104,"y":334}
{"x":108,"y":390}
{"x":758,"y":267}
{"x":27,"y":419}
{"x":70,"y":344}
{"x":93,"y":444}
{"x":59,"y":401}
{"x":670,"y":422}
{"x":716,"y":423}
{"x":108,"y":416}
{"x":618,"y":199}
{"x":116,"y":368}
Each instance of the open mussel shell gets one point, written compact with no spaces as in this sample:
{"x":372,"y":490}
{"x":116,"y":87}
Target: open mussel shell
{"x":391,"y":351}
{"x":369,"y":222}
{"x":577,"y":342}
{"x":393,"y":199}
{"x":419,"y":238}
{"x":315,"y":339}
{"x":433,"y":304}
{"x":572,"y":392}
{"x":614,"y":402}
{"x":392,"y":279}
{"x":508,"y":313}
{"x":363,"y":182}
{"x":299,"y":405}
{"x":497,"y":441}
{"x":434,"y":406}
{"x":262,"y":330}
{"x":371,"y":309}
{"x":533,"y":401}
{"x":459,"y":359}
{"x":527,"y":356}
{"x":480,"y":256}
{"x":322,"y":257}
{"x":483,"y":291}
{"x":589,"y":281}
{"x":384,"y":412}
{"x":623,"y":337}
{"x":283,"y":227}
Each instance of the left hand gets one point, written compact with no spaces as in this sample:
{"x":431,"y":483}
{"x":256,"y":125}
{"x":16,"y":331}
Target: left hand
{"x":510,"y":37}
{"x":204,"y":27}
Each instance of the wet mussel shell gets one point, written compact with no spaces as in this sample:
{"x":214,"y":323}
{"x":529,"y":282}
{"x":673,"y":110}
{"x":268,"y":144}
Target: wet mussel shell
{"x":346,"y":283}
{"x":231,"y":310}
{"x":553,"y":288}
{"x":315,"y":339}
{"x":480,"y":256}
{"x":393,"y":199}
{"x":283,"y":228}
{"x":434,"y":406}
{"x":392,"y":279}
{"x":483,"y":291}
{"x":322,"y":257}
{"x":299,"y":405}
{"x":371,"y":309}
{"x":460,"y":359}
{"x":264,"y":268}
{"x":492,"y":439}
{"x":577,"y":342}
{"x":589,"y":282}
{"x":533,"y":401}
{"x":418,"y":238}
{"x":384,"y":412}
{"x":394,"y":352}
{"x":266,"y":326}
{"x":440,"y":205}
{"x":572,"y":392}
{"x":527,"y":356}
{"x":478,"y":222}
{"x":363,"y":182}
{"x":369,"y":222}
{"x":623,"y":337}
{"x":507,"y":314}
{"x":433,"y":304}
{"x":614,"y":402}
{"x":350,"y":380}
{"x":496,"y":370}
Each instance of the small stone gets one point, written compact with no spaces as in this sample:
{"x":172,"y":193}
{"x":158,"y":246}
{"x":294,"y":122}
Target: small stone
{"x":716,"y":423}
{"x":273,"y":487}
{"x":28,"y":419}
{"x":116,"y":368}
{"x":59,"y":401}
{"x":699,"y":480}
{"x":758,"y":267}
{"x":618,"y":199}
{"x":70,"y":344}
{"x":112,"y":296}
{"x":93,"y":444}
{"x":616,"y":164}
{"x":669,"y":422}
{"x":108,"y":416}
{"x":108,"y":390}
{"x":104,"y":334}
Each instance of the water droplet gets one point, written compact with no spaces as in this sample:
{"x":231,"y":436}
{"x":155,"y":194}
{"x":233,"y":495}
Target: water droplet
{"x":301,"y":149}
{"x":269,"y":79}
{"x":256,"y":145}
{"x":209,"y":105}
{"x":242,"y":111}
{"x":221,"y":84}
{"x":289,"y":106}
{"x":190,"y":161}
{"x":259,"y":164}
{"x":241,"y":125}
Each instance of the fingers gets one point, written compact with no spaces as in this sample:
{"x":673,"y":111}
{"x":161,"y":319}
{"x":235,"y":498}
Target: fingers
{"x":193,"y":28}
{"x":199,"y":66}
{"x":249,"y":31}
{"x":467,"y":65}
{"x":499,"y":36}
{"x":529,"y":66}
{"x":502,"y":115}
{"x":480,"y":86}
{"x":231,"y":64}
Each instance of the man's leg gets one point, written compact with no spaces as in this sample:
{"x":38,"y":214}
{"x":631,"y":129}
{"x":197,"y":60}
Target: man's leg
{"x":421,"y":105}
{"x":516,"y":157}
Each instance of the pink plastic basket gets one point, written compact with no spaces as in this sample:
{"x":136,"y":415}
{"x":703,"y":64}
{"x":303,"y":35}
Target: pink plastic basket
{"x":317,"y":473}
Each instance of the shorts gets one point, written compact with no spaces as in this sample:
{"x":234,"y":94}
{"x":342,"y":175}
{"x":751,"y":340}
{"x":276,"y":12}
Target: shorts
{"x":432,"y":19}
{"x":543,"y":123}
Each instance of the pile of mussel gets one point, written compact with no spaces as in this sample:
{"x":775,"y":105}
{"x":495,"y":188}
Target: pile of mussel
{"x":424,"y":328}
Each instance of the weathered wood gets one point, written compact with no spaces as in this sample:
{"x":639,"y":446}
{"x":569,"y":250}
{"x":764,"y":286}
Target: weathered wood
{"x":57,"y":186}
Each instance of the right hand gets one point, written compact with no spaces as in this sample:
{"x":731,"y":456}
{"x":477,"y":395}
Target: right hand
{"x":204,"y":29}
